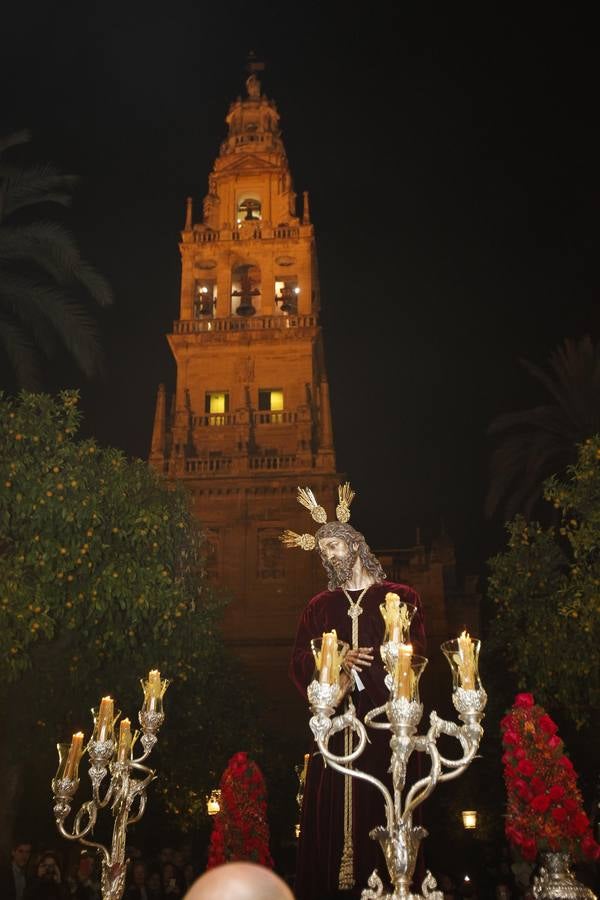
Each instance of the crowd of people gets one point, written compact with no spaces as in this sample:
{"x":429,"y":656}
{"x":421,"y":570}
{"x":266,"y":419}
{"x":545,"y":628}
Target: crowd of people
{"x":75,"y":874}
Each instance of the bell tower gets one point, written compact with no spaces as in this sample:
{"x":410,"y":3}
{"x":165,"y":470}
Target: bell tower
{"x":250,"y":419}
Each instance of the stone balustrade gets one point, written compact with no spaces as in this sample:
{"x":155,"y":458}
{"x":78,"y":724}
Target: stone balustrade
{"x":239,"y":323}
{"x":282,"y":232}
{"x":228,"y":465}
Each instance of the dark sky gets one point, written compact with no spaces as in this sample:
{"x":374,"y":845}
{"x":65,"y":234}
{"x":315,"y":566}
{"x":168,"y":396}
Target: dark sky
{"x":451,"y":160}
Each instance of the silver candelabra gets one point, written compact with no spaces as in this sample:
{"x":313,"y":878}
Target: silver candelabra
{"x":126,"y":794}
{"x":399,"y":839}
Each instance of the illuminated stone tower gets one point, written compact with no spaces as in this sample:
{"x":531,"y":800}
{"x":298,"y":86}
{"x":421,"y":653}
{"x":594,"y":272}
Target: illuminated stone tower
{"x":250,"y":419}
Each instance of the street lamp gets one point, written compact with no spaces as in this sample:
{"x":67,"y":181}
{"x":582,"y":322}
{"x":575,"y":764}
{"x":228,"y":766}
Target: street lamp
{"x":469,"y":818}
{"x":213,"y":804}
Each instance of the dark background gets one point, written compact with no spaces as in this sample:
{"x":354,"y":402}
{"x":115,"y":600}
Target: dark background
{"x":451,"y":159}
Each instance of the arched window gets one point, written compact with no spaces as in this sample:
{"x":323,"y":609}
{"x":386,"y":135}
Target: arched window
{"x":249,"y":210}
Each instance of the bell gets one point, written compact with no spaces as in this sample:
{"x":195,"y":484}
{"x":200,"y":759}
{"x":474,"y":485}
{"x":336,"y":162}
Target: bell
{"x":245,"y":309}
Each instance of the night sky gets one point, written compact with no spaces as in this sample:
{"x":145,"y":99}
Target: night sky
{"x":449,"y":159}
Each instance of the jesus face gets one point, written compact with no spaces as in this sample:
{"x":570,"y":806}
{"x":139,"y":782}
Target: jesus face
{"x":338,"y":559}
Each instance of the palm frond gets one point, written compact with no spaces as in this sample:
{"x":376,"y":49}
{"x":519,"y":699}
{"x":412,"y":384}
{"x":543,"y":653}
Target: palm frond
{"x":16,"y":137}
{"x":20,"y":353}
{"x":51,"y":247}
{"x":536,"y":443}
{"x":26,"y":185}
{"x":35,"y":304}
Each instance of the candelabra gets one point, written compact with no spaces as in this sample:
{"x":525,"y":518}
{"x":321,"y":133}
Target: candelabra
{"x":126,"y":794}
{"x":399,"y":839}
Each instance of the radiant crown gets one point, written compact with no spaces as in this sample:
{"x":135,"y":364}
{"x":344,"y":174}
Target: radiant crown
{"x":307,"y":499}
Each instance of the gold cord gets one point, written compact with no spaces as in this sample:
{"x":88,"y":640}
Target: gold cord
{"x":346,"y":874}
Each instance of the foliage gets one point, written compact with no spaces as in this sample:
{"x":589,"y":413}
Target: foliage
{"x":240,"y":831}
{"x":101,"y":579}
{"x":43,"y":278}
{"x":544,"y":804}
{"x":546,"y":587}
{"x":536,"y":443}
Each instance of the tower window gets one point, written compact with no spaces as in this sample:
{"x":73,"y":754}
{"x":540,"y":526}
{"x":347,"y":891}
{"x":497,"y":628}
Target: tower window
{"x":205,"y":298}
{"x":249,"y":210}
{"x":270,"y":400}
{"x":216,"y":402}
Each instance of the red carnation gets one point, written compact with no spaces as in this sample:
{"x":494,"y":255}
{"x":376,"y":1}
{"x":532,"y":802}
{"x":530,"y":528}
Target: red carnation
{"x":537,"y":785}
{"x":524,"y":701}
{"x":529,"y":849}
{"x":556,"y":792}
{"x":526,"y":767}
{"x":590,"y":847}
{"x":540,"y":803}
{"x":579,"y":823}
{"x":240,"y":830}
{"x":547,"y":724}
{"x":544,"y":804}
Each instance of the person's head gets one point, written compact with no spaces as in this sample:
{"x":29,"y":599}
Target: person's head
{"x":169,"y":871}
{"x":188,"y":873}
{"x":239,"y":881}
{"x":48,"y":868}
{"x":20,"y":853}
{"x":153,"y":882}
{"x":178,"y":858}
{"x":86,"y":865}
{"x":165,"y":855}
{"x":138,"y":874}
{"x":340,"y":547}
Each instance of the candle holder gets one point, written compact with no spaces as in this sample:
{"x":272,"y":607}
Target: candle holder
{"x":125,"y":794}
{"x":399,"y":838}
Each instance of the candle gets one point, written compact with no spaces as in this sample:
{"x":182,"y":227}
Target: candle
{"x":105,"y":720}
{"x":124,"y":746}
{"x":154,"y":683}
{"x":403,"y":672}
{"x":328,"y":657}
{"x":466,"y":662}
{"x":396,"y":617}
{"x":75,"y":751}
{"x":153,"y":690}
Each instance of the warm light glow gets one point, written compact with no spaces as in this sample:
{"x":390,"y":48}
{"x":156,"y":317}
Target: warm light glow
{"x":296,"y":290}
{"x":297,"y":829}
{"x":276,"y":401}
{"x":217,"y":403}
{"x":104,"y":721}
{"x":213,"y":804}
{"x":469,"y":817}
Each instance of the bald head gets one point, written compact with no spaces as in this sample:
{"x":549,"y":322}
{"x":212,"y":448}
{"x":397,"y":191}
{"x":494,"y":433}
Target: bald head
{"x":239,"y":881}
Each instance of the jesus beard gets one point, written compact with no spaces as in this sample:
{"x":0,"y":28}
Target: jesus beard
{"x":339,"y":570}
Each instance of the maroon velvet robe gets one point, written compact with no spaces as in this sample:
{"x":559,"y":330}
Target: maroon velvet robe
{"x":322,"y":822}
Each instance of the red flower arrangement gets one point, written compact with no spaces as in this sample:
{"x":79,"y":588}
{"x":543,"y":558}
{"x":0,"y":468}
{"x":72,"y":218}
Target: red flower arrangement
{"x":240,"y":830}
{"x":544,"y":804}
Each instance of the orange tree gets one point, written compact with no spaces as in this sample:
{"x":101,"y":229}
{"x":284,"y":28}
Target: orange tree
{"x":546,"y":588}
{"x":102,"y":578}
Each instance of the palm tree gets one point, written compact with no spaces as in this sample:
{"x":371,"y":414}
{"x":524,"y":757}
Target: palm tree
{"x":539,"y":442}
{"x":42,"y":274}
